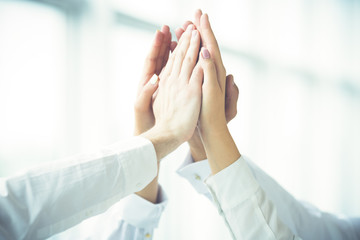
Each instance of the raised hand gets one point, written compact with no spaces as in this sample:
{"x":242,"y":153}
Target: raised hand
{"x":231,"y":96}
{"x":144,"y":116}
{"x":178,"y":101}
{"x":218,"y":143}
{"x":154,"y":63}
{"x":177,"y":104}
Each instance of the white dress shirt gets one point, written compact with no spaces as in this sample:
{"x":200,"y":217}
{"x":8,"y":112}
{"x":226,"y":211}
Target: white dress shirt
{"x":49,"y":199}
{"x":263,"y":209}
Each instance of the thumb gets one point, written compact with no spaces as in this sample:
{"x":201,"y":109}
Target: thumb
{"x":231,"y":97}
{"x":210,"y":76}
{"x":144,"y":100}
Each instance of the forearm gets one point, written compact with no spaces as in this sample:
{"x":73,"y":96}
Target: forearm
{"x":220,"y":149}
{"x":196,"y":146}
{"x":150,"y":192}
{"x":37,"y":201}
{"x":163,"y":141}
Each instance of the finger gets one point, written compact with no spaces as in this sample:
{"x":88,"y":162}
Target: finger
{"x":173,"y":46}
{"x":208,"y":66}
{"x":197,"y":77}
{"x":231,"y":97}
{"x":191,"y":55}
{"x":167,"y":52}
{"x":209,"y":41}
{"x":151,"y":59}
{"x":181,"y":50}
{"x":164,"y":46}
{"x":186,"y":24}
{"x":198,"y":14}
{"x":179,"y":32}
{"x":144,"y":100}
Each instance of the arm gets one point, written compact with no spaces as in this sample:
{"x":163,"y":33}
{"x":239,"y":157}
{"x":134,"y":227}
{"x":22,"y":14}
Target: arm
{"x":132,"y":218}
{"x":196,"y":146}
{"x":48,"y":200}
{"x":303,"y":219}
{"x":144,"y":116}
{"x":247,"y":211}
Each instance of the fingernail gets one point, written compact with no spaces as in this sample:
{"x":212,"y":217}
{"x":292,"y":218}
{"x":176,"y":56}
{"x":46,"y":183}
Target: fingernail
{"x":154,"y":79}
{"x":190,"y":27}
{"x":205,"y":53}
{"x":194,"y":33}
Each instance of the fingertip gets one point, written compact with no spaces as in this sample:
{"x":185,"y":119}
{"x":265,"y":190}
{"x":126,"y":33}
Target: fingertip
{"x":186,"y":24}
{"x":165,"y":29}
{"x":198,"y":14}
{"x":231,"y":86}
{"x":147,"y":92}
{"x":230,"y":79}
{"x":178,"y":33}
{"x":158,"y":38}
{"x":154,"y":79}
{"x":204,"y":20}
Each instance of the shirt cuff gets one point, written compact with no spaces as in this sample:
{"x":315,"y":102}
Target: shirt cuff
{"x":141,"y":213}
{"x":222,"y":185}
{"x":139,"y":160}
{"x":195,"y":173}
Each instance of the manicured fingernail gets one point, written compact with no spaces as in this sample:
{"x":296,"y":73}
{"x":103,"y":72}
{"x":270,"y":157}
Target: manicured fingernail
{"x":205,"y":53}
{"x":194,"y":33}
{"x":154,"y":79}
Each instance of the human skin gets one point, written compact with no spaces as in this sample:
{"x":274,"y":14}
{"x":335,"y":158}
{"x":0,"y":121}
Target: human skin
{"x":178,"y":99}
{"x":144,"y":116}
{"x":220,"y":148}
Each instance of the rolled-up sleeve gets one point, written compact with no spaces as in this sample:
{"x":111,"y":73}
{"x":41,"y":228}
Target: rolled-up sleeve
{"x":46,"y":200}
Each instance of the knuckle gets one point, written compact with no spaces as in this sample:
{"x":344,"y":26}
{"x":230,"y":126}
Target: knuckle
{"x":180,"y":54}
{"x":189,"y":59}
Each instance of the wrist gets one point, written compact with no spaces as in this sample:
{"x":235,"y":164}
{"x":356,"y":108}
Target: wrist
{"x":196,"y":146}
{"x":220,"y":149}
{"x":217,"y":131}
{"x":164,"y":141}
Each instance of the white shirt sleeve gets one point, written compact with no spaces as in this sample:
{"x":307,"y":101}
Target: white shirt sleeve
{"x":248,"y":213}
{"x":134,"y":218}
{"x":303,"y":219}
{"x":49,"y":199}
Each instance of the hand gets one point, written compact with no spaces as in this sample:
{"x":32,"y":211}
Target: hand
{"x":177,"y":105}
{"x":178,"y":101}
{"x":218,"y":143}
{"x":154,"y":63}
{"x":231,"y":96}
{"x":144,"y":116}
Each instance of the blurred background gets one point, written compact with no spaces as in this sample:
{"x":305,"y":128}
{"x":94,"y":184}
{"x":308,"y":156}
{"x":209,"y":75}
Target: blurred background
{"x":69,"y":71}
